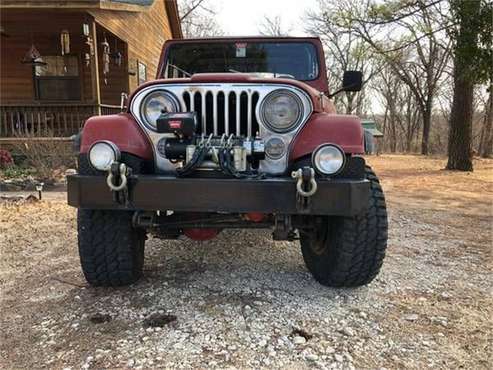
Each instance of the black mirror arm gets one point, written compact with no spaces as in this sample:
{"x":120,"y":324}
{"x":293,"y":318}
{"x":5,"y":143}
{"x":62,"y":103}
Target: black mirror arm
{"x":344,"y":88}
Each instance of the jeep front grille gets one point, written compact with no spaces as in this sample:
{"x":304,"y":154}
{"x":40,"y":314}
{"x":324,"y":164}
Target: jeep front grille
{"x":224,"y":111}
{"x":223,"y":108}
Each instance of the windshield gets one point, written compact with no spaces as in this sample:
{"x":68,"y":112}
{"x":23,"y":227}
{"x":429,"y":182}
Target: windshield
{"x":296,"y":60}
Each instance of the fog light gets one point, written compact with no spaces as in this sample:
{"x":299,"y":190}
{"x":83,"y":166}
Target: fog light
{"x":102,"y":154}
{"x":328,"y":159}
{"x":275,"y":148}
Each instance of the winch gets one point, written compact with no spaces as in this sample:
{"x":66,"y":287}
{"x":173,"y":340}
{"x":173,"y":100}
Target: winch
{"x":237,"y":156}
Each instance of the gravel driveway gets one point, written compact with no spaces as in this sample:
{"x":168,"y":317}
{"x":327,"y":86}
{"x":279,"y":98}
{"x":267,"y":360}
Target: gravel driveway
{"x":244,"y":301}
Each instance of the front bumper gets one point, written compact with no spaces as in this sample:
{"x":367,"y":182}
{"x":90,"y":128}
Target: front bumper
{"x":341,"y":197}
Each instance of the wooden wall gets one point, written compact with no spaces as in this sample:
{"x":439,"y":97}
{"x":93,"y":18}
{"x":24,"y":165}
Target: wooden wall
{"x":117,"y":80}
{"x":144,"y":32}
{"x":25,"y":28}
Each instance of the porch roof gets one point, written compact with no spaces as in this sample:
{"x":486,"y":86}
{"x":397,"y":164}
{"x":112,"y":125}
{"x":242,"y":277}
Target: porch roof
{"x":122,"y":5}
{"x":116,"y":5}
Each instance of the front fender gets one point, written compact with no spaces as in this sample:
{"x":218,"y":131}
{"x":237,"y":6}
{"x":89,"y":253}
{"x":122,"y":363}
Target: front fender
{"x":343,"y":130}
{"x":122,"y":130}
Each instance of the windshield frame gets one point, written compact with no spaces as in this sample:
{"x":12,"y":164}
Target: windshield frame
{"x":317,"y":81}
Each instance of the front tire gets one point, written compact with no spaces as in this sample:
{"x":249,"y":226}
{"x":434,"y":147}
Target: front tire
{"x":348,"y":251}
{"x":111,"y":251}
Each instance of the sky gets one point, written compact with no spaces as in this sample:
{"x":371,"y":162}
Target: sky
{"x":242,"y":17}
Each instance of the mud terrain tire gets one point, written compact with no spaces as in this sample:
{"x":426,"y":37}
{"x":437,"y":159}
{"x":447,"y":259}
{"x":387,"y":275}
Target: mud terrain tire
{"x":111,"y":251}
{"x":349,"y":251}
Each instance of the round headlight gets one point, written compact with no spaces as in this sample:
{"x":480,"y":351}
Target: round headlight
{"x":281,"y":110}
{"x":157,"y":103}
{"x":328,"y":159}
{"x":102,"y":154}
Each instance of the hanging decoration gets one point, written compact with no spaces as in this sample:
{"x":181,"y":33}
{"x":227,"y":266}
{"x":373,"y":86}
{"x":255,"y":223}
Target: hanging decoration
{"x":89,"y":43}
{"x":33,"y":57}
{"x":106,"y":59}
{"x":116,"y":55}
{"x":65,"y":42}
{"x":87,"y":56}
{"x":87,"y":59}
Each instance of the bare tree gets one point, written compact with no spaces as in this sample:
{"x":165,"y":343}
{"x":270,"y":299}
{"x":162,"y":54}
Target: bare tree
{"x":345,"y":51}
{"x":418,"y":54}
{"x":401,"y":120}
{"x":198,"y":19}
{"x":473,"y":53}
{"x":273,"y":26}
{"x":486,"y":140}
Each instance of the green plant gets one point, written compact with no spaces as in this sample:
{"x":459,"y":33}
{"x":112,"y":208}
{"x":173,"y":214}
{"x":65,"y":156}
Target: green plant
{"x":15,"y":172}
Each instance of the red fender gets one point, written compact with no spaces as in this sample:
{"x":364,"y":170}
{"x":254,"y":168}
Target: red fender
{"x":121,"y":129}
{"x":343,"y":130}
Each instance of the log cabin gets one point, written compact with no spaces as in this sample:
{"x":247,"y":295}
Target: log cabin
{"x":62,"y":61}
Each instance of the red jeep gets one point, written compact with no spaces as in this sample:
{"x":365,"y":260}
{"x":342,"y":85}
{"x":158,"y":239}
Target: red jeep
{"x":234,"y":133}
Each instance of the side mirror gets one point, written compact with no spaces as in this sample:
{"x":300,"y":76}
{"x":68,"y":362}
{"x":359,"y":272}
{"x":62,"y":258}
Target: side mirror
{"x":352,"y":81}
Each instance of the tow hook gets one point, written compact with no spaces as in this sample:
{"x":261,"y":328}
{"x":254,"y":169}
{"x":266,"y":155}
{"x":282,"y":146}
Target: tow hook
{"x":117,"y":181}
{"x":306,"y":186}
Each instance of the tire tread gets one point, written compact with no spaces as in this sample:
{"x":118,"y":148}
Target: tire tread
{"x":111,"y":251}
{"x":358,"y":244}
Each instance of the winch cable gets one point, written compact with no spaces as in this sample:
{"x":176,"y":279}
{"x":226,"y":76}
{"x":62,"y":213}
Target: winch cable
{"x":195,"y":161}
{"x":222,"y":155}
{"x":225,"y":162}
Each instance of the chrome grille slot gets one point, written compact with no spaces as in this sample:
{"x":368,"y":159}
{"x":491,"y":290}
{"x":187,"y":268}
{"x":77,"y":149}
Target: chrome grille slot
{"x":224,"y":111}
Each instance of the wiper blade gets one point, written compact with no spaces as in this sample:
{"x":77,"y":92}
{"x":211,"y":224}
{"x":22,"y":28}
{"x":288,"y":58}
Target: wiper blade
{"x":188,"y":74}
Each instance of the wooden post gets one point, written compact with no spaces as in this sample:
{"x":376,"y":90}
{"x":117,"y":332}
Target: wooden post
{"x":96,"y":88}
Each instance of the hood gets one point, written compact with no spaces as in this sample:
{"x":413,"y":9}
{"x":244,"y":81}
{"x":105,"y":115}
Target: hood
{"x":314,"y":94}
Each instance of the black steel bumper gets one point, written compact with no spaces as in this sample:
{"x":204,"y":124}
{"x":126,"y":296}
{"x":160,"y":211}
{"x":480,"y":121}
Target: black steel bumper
{"x":276,"y":195}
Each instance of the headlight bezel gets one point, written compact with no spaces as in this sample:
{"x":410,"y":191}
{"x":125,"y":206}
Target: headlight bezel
{"x":159,"y":92}
{"x":317,"y":152}
{"x":112,"y":146}
{"x":275,"y":93}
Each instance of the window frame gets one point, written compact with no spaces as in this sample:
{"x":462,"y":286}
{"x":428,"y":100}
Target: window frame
{"x":316,"y":54}
{"x":78,"y":78}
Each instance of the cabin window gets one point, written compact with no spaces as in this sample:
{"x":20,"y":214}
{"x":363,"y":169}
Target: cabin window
{"x":59,"y":79}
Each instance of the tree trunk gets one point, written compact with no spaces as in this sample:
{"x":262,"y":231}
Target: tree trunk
{"x":393,"y":134}
{"x":459,"y":142}
{"x":460,"y":136}
{"x":487,"y":132}
{"x":426,"y":112}
{"x":409,"y":123}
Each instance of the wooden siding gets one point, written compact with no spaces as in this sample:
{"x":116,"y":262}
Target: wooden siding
{"x":144,"y":33}
{"x":118,"y":77}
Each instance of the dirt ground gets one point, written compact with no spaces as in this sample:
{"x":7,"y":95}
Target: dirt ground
{"x":244,"y":301}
